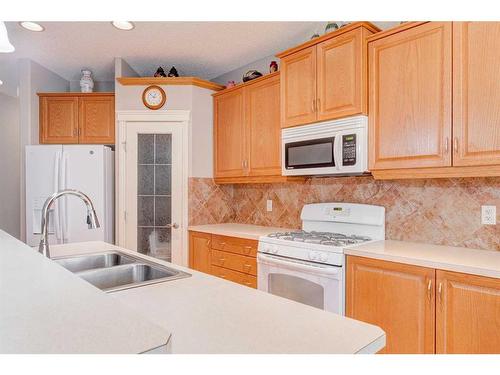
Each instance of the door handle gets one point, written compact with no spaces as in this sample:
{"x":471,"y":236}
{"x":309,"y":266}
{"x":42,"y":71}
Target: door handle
{"x":173,"y":225}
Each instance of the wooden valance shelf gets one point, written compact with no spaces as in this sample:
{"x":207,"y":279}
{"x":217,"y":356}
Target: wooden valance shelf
{"x":194,"y":81}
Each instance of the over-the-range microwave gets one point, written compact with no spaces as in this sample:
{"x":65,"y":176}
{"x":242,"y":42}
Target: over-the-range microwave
{"x":338,"y":147}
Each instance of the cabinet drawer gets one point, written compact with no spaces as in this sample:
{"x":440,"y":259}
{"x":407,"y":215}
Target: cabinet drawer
{"x":235,"y":245}
{"x":235,"y":262}
{"x":237,"y":277}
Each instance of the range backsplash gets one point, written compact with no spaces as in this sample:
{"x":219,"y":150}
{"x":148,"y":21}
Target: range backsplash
{"x":439,"y":211}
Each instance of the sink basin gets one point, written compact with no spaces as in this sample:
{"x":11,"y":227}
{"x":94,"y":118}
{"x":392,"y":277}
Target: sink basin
{"x":130,"y":276}
{"x":92,"y":261}
{"x":112,"y":271}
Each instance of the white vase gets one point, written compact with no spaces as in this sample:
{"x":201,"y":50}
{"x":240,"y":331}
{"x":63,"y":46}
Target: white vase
{"x":86,"y":82}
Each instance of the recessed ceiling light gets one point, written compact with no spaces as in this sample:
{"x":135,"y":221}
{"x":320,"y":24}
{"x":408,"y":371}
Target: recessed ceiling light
{"x":123,"y":25}
{"x":32,"y":26}
{"x":1,"y":82}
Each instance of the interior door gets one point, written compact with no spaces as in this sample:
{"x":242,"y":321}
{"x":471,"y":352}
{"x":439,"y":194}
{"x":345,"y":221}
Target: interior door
{"x":153,"y":189}
{"x":476,"y":93}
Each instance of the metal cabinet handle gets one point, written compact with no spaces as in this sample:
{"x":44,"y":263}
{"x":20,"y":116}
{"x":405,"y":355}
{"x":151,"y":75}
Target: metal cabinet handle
{"x":318,"y":104}
{"x":173,"y":225}
{"x":446,"y":145}
{"x":440,"y":290}
{"x":209,"y":242}
{"x":313,"y":108}
{"x":223,"y":244}
{"x":429,"y":290}
{"x":455,"y":144}
{"x":222,"y":259}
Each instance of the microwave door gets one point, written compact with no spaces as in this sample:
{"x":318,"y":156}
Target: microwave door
{"x":313,"y":153}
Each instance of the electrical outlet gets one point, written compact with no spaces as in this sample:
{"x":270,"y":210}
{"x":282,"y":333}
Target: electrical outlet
{"x":269,"y":205}
{"x":489,"y":215}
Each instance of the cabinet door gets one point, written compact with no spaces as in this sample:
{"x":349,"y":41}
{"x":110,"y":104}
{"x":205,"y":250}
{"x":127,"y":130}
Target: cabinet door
{"x":396,"y":297}
{"x":229,"y":135}
{"x":97,"y":119}
{"x":410,"y":98}
{"x":58,"y":120}
{"x":262,"y":115}
{"x":341,"y":76}
{"x":298,"y":88}
{"x":467,"y":314}
{"x":199,"y":251}
{"x":476,"y":93}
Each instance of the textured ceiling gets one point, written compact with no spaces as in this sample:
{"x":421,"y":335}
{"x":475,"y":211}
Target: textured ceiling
{"x":204,"y":49}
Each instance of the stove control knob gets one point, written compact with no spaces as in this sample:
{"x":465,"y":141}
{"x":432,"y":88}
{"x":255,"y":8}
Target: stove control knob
{"x":274,"y":249}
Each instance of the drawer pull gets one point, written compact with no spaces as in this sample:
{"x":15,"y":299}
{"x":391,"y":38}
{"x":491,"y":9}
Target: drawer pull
{"x":222,"y":259}
{"x":223,"y":244}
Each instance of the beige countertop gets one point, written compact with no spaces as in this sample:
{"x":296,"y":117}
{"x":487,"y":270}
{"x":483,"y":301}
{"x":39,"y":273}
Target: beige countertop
{"x":47,"y":309}
{"x":207,"y":314}
{"x":449,"y":258}
{"x":251,"y":232}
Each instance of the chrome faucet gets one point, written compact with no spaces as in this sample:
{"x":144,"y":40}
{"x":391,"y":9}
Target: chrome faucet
{"x":91,"y":216}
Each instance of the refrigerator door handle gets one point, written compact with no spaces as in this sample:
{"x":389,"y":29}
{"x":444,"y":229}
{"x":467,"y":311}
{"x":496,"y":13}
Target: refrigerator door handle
{"x":56,"y":208}
{"x":63,"y":185}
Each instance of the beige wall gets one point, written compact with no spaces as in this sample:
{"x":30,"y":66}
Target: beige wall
{"x":191,"y":98}
{"x":10,"y":166}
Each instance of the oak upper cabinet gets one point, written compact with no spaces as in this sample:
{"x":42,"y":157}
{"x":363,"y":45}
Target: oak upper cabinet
{"x":468,"y":314}
{"x":298,"y":88}
{"x":97,"y":119}
{"x":398,"y":298}
{"x":70,"y":118}
{"x":262,"y":115}
{"x":229,"y":134}
{"x":410,"y":77}
{"x":58,"y":119}
{"x":199,"y":251}
{"x":325,"y":78}
{"x":476,"y":93}
{"x":247,"y":132}
{"x":342,"y":75}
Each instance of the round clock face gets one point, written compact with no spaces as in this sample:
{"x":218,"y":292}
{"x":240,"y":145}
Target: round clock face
{"x":154,"y":97}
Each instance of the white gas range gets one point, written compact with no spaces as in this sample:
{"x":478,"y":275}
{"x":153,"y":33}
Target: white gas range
{"x":308,"y":265}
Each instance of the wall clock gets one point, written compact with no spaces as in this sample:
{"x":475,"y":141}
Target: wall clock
{"x":154,"y":97}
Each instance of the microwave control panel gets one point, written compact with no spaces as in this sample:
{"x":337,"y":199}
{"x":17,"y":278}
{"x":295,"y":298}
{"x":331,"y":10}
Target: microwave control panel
{"x":349,"y":149}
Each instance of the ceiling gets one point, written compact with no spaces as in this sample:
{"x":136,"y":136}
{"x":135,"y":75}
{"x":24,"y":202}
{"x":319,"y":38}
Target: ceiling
{"x":203,"y":49}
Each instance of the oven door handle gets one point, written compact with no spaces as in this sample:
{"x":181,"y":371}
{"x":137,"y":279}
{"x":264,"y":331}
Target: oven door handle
{"x":317,"y":270}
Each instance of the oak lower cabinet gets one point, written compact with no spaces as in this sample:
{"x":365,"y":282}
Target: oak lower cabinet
{"x":77,"y":118}
{"x":325,"y":78}
{"x":199,"y":251}
{"x":398,"y":298}
{"x":434,"y":89}
{"x":230,"y":258}
{"x":247,"y":133}
{"x":424,"y":310}
{"x":468,"y":314}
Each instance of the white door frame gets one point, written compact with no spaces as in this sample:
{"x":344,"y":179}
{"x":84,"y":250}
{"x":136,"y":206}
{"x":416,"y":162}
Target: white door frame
{"x":122,"y":118}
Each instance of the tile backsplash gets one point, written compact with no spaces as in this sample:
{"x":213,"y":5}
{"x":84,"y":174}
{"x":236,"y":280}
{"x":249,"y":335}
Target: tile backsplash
{"x":438,"y":211}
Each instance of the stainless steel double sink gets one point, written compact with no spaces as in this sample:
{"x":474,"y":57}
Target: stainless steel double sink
{"x":114,"y":271}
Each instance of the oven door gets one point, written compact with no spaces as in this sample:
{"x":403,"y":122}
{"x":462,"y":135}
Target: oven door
{"x":313,"y":284}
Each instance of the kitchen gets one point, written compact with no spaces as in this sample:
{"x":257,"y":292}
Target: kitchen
{"x":349,"y":184}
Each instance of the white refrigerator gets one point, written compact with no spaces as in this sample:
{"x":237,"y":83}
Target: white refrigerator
{"x":88,"y":168}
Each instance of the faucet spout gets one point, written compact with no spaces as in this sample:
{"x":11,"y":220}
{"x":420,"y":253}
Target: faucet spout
{"x":92,"y":220}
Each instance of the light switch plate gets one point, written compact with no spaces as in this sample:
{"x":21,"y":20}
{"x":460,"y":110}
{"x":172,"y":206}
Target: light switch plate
{"x":488,"y":215}
{"x":269,"y":205}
